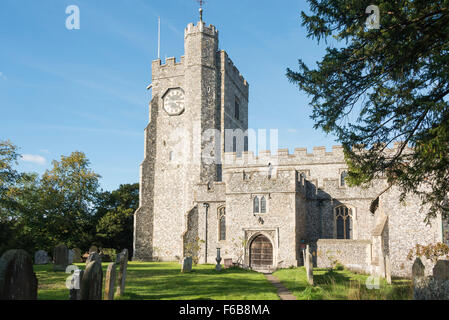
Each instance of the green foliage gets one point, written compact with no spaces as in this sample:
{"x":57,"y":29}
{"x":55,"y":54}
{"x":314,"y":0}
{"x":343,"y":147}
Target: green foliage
{"x":115,"y":215}
{"x":193,"y":248}
{"x":65,"y":205}
{"x":433,"y":252}
{"x":377,"y":87}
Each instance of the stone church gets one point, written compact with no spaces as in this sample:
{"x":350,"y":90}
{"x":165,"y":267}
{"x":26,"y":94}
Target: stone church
{"x":260,"y":210}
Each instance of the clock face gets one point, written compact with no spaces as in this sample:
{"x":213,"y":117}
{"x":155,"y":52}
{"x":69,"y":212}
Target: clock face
{"x":174,"y":101}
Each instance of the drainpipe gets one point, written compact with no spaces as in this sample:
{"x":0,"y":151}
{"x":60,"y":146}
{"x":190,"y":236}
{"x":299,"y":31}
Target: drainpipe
{"x":206,"y":206}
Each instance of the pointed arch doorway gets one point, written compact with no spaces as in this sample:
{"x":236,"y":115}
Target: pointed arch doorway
{"x":261,"y":253}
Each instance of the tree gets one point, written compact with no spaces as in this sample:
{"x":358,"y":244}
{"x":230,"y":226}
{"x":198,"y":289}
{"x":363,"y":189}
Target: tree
{"x":115,"y":216}
{"x":69,"y":193}
{"x":385,"y":86}
{"x":8,"y":175}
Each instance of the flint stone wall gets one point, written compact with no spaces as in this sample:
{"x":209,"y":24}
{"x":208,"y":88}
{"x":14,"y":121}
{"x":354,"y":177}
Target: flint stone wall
{"x":353,"y":254}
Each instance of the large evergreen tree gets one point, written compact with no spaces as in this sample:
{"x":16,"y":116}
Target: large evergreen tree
{"x":385,"y":85}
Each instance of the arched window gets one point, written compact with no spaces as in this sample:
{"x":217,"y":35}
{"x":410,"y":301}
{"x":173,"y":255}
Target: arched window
{"x":256,"y":205}
{"x":222,"y":224}
{"x":343,"y":176}
{"x":263,"y":205}
{"x":343,"y":222}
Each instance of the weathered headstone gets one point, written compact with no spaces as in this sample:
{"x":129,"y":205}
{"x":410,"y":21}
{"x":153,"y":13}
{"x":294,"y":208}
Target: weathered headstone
{"x":17,"y":278}
{"x":93,"y":256}
{"x":309,"y":266}
{"x":92,"y":282}
{"x":417,"y":269}
{"x":430,"y":288}
{"x":61,"y":258}
{"x":227,"y":263}
{"x":123,"y":257}
{"x":71,"y":255}
{"x":77,"y":255}
{"x":93,"y":249}
{"x":186,"y":264}
{"x":218,"y":259}
{"x":109,"y":288}
{"x":441,"y":270}
{"x":388,"y":269}
{"x":75,"y":285}
{"x":41,"y":257}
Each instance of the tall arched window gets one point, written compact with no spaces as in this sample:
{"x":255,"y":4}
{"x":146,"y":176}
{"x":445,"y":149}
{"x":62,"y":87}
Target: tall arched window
{"x":343,"y":176}
{"x":343,"y":222}
{"x":263,"y":205}
{"x":222,"y":224}
{"x":256,"y":205}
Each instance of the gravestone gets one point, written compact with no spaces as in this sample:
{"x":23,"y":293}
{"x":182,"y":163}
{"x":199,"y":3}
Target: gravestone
{"x":61,"y":258}
{"x":218,"y":259}
{"x":17,"y":278}
{"x":75,"y":285}
{"x":388,"y":269}
{"x":41,"y":257}
{"x":227,"y":263}
{"x":77,"y":255}
{"x":109,"y":287}
{"x":309,"y":266}
{"x":93,"y":249}
{"x":92,"y":282}
{"x":186,"y":264}
{"x":441,"y":270}
{"x":123,"y":260}
{"x":71,"y":255}
{"x":93,"y":256}
{"x":417,"y":269}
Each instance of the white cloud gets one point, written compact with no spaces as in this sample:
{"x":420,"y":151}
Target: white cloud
{"x":2,"y":76}
{"x":34,"y":159}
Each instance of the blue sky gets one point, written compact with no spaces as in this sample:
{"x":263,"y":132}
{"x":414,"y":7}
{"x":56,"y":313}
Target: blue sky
{"x":66,"y":90}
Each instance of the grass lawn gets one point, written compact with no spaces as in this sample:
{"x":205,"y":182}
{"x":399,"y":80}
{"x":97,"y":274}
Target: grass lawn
{"x":340,"y":285}
{"x":164,"y":281}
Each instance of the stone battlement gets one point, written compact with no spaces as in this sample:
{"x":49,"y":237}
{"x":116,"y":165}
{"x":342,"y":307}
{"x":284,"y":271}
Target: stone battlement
{"x":300,"y":156}
{"x":170,"y":68}
{"x":233,"y":72}
{"x":201,"y":27}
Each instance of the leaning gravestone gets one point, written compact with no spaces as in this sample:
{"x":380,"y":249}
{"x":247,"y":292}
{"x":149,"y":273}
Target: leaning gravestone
{"x":77,"y":255}
{"x":17,"y":278}
{"x":93,"y":256}
{"x":61,"y":258}
{"x":109,"y":288}
{"x":123,"y":260}
{"x":186,"y":265}
{"x":92,"y":282}
{"x":417,"y":269}
{"x":41,"y":257}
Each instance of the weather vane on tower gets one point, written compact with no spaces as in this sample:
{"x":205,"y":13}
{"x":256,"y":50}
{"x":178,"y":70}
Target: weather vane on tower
{"x":201,"y":2}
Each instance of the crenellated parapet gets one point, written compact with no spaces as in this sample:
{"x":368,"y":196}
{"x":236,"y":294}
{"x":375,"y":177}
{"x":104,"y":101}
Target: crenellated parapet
{"x":201,"y":27}
{"x":228,"y":67}
{"x":283,"y":157}
{"x":171,"y":68}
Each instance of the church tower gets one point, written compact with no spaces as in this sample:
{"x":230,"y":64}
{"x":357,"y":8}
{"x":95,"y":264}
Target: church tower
{"x":194,"y":101}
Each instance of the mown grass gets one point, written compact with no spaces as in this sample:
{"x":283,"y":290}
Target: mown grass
{"x":340,"y":285}
{"x":164,"y":281}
